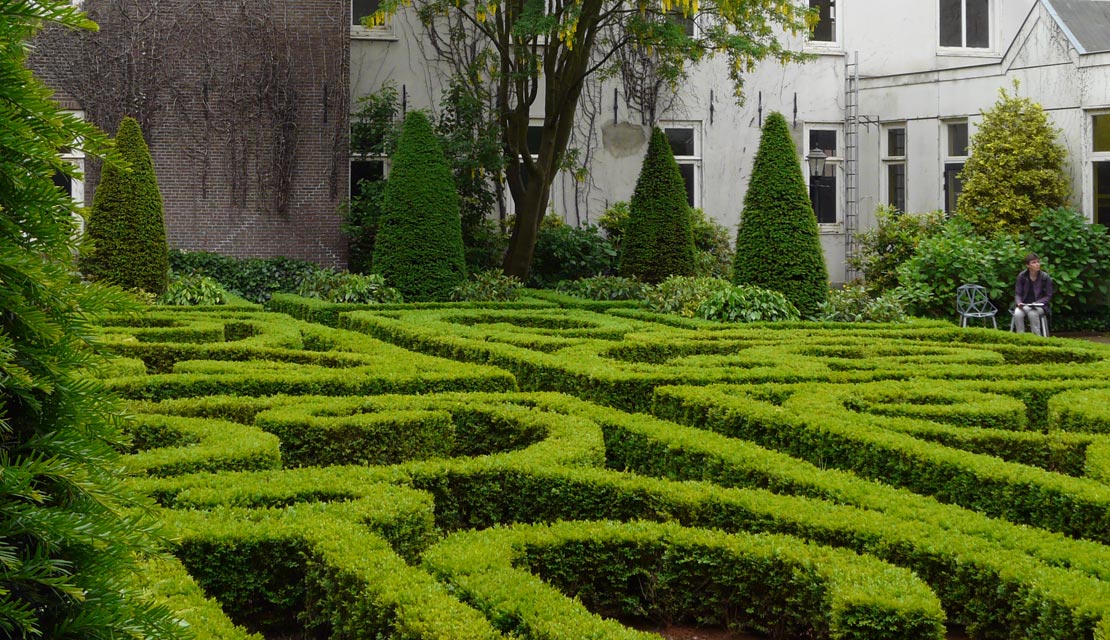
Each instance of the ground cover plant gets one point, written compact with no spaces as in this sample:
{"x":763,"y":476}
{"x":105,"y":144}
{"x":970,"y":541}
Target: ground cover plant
{"x":468,"y":471}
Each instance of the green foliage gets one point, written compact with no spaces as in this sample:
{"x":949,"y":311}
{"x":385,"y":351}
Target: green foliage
{"x":713,"y":255}
{"x":854,"y":303}
{"x":127,"y":226}
{"x":419,"y":245}
{"x":192,"y":290}
{"x":254,"y":279}
{"x":892,"y":241}
{"x":605,"y":288}
{"x":955,"y":256}
{"x":71,"y":527}
{"x":747,"y":304}
{"x":658,"y":238}
{"x":1076,"y":254}
{"x":778,"y":246}
{"x":360,"y":224}
{"x":487,"y":286}
{"x":564,"y":252}
{"x":614,"y":220}
{"x":1015,"y":168}
{"x":685,"y":295}
{"x":334,"y":286}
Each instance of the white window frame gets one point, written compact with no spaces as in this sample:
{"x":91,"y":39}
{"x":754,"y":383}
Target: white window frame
{"x":947,"y":158}
{"x":360,"y":32}
{"x":677,"y":13}
{"x":367,"y":157}
{"x":1092,"y":157}
{"x":963,"y":49}
{"x":833,"y":165}
{"x":829,"y":46}
{"x":889,"y":159}
{"x":695,"y":160}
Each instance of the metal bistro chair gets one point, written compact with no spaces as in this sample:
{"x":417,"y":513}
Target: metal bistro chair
{"x":972,"y":302}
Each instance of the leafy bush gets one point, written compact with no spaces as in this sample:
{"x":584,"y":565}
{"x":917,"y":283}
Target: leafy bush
{"x":889,"y":243}
{"x":614,"y":220}
{"x":605,"y":288}
{"x":485,"y":247}
{"x":855,"y":304}
{"x":713,"y":255}
{"x":955,"y":256}
{"x":488,"y":286}
{"x":193,"y":289}
{"x":778,"y":246}
{"x":747,"y":304}
{"x":360,"y":224}
{"x":347,"y":287}
{"x":685,"y":295}
{"x":658,"y":239}
{"x":564,"y":252}
{"x":418,"y":246}
{"x":1015,"y":168}
{"x":255,"y":279}
{"x":127,"y":226}
{"x":1077,"y":256}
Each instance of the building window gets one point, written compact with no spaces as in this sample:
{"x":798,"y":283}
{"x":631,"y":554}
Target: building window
{"x":823,"y":188}
{"x":965,"y":24}
{"x":688,"y":24}
{"x":686,"y":148}
{"x":894,"y":157}
{"x":361,"y":9}
{"x":825,"y":29}
{"x":1100,"y":168}
{"x":366,"y":170}
{"x":956,"y":136}
{"x":74,"y":188}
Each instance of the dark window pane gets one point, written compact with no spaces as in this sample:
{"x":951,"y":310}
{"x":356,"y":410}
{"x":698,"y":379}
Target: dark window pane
{"x":823,"y":139}
{"x":687,"y":171}
{"x":822,"y":193}
{"x":825,"y":30}
{"x":952,"y":186}
{"x":1102,"y":193}
{"x":535,"y":132}
{"x":687,"y":23}
{"x":1101,"y":136}
{"x":365,"y":170}
{"x":896,"y":142}
{"x":682,"y":141}
{"x":951,"y":23}
{"x":63,"y":182}
{"x":896,"y":186}
{"x":957,"y":139}
{"x":362,"y":8}
{"x":978,"y":24}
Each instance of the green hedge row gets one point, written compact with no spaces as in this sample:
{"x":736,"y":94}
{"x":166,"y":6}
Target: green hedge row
{"x":327,"y":313}
{"x":524,"y":578}
{"x":163,"y":581}
{"x":171,"y":445}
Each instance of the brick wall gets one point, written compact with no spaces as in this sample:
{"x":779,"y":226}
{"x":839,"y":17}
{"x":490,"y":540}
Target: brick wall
{"x":236,"y":99}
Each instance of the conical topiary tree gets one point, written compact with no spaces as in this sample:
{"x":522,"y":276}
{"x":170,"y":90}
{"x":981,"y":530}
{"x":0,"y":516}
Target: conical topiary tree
{"x":778,"y":246}
{"x":658,"y":237}
{"x":1015,"y":170}
{"x":419,"y":247}
{"x":127,"y":225}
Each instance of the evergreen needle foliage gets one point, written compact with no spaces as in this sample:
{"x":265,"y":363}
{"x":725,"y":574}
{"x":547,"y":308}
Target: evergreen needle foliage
{"x":658,"y":236}
{"x":419,"y":246}
{"x":67,"y":553}
{"x":127,"y":225}
{"x":1015,"y":170}
{"x":778,"y":246}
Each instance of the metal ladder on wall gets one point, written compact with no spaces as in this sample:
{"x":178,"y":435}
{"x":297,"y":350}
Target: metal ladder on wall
{"x":851,"y":161}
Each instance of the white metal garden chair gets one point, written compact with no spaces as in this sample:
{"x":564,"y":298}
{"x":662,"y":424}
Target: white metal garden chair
{"x":972,"y":301}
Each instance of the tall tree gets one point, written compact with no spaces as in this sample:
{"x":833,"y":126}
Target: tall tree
{"x":67,"y":547}
{"x":778,"y":245}
{"x":1016,"y":167}
{"x":548,"y":48}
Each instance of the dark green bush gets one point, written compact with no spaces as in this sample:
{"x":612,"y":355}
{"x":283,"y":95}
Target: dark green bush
{"x":1076,"y":254}
{"x":193,"y":290}
{"x":254,"y":279}
{"x":658,"y":238}
{"x":853,"y":303}
{"x":127,"y":226}
{"x":747,"y":304}
{"x":564,"y":252}
{"x":418,"y":246}
{"x":487,"y":286}
{"x":778,"y":246}
{"x":713,"y":242}
{"x":605,"y":288}
{"x":892,"y":241}
{"x":685,"y":295}
{"x":360,"y":225}
{"x":347,"y":287}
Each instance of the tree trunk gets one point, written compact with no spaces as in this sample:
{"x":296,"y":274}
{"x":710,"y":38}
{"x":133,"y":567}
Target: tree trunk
{"x":522,"y":243}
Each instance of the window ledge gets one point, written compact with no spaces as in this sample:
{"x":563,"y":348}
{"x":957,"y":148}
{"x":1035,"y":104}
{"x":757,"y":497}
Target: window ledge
{"x":379,"y":33}
{"x":830,"y":228}
{"x":966,"y":52}
{"x":824,"y":48}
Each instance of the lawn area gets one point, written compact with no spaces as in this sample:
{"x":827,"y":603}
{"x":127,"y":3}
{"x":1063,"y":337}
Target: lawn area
{"x":541,"y":471}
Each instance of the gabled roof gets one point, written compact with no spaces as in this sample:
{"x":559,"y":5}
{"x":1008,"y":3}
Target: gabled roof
{"x":1086,"y":22}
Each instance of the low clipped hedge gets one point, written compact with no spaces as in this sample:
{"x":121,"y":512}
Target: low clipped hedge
{"x":327,"y":313}
{"x":163,"y":581}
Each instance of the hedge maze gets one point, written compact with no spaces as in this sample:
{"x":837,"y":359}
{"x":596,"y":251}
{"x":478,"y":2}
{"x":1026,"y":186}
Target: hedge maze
{"x":469,"y":471}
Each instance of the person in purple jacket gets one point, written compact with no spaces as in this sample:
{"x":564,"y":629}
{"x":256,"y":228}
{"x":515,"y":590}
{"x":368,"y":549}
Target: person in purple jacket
{"x":1032,"y":294}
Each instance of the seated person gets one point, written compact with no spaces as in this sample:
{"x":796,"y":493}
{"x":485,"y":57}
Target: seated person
{"x":1032,"y":293}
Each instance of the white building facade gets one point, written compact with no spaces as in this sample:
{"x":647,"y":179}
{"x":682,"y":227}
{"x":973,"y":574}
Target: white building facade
{"x":892,"y":98}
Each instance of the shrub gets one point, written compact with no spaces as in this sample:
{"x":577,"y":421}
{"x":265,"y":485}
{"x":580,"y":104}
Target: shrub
{"x":889,"y":243}
{"x":747,"y":304}
{"x":193,"y":290}
{"x":418,"y":247}
{"x":658,"y":238}
{"x":684,"y":295}
{"x":127,"y":226}
{"x":955,"y":256}
{"x":1077,"y":256}
{"x":1015,"y":168}
{"x":778,"y":246}
{"x":855,"y":304}
{"x":360,"y":225}
{"x":487,"y":286}
{"x":605,"y":288}
{"x":347,"y":287}
{"x":255,"y":279}
{"x":613,"y":221}
{"x":564,"y":252}
{"x":713,"y":255}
